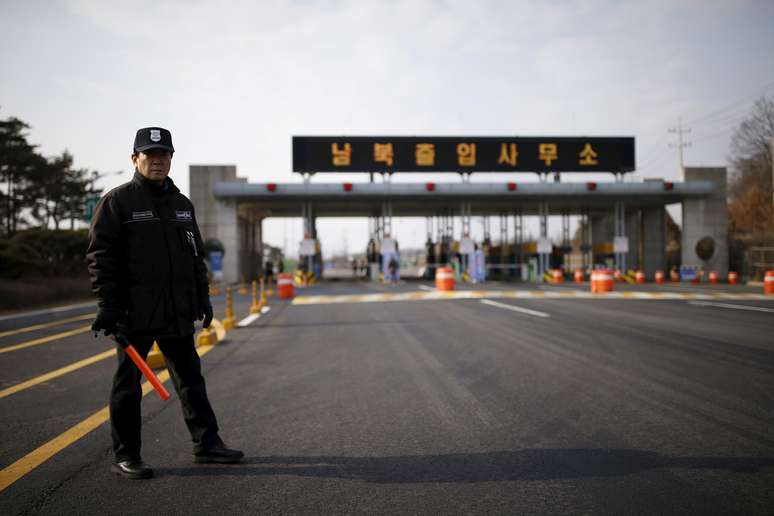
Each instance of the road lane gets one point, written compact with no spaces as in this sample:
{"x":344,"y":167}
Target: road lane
{"x":456,"y":407}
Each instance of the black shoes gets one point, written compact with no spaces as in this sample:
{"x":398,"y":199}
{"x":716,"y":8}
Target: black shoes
{"x":219,"y":454}
{"x":134,"y":469}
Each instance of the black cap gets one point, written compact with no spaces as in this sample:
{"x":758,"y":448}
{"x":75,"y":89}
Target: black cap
{"x":153,"y":138}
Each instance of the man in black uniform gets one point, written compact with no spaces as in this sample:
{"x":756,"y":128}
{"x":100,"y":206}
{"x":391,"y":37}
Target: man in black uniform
{"x":147,"y":270}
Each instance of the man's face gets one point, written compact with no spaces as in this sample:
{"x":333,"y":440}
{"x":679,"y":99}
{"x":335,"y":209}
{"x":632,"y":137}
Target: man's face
{"x":153,"y":163}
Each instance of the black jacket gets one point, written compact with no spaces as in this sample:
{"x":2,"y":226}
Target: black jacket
{"x":146,"y":257}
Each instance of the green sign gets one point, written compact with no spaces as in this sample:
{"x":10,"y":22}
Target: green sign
{"x":89,"y":205}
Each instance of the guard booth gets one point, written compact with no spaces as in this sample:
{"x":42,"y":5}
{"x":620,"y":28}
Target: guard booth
{"x":627,"y":216}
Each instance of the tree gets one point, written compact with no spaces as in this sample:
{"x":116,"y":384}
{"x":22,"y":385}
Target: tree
{"x":750,"y":210}
{"x":17,"y":160}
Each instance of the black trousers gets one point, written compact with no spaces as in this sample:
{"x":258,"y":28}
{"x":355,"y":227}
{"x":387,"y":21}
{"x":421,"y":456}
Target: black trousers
{"x":185,"y":370}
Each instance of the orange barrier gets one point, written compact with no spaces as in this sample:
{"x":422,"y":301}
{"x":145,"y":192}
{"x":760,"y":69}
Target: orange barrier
{"x":713,"y":278}
{"x":444,"y":278}
{"x":639,"y":277}
{"x":659,"y":276}
{"x":617,"y":276}
{"x":578,"y":276}
{"x":285,"y":286}
{"x":768,"y":283}
{"x":732,"y":278}
{"x":557,"y":276}
{"x":601,"y":281}
{"x":674,"y":276}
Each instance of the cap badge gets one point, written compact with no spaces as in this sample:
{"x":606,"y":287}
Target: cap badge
{"x":155,"y":135}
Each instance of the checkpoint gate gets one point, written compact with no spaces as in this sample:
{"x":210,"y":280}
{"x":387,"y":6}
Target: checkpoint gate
{"x":621,"y":220}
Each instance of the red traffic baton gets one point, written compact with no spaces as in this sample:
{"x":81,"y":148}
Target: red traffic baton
{"x":143,"y":367}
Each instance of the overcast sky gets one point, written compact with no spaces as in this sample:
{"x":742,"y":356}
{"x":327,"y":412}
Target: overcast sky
{"x":234,"y":81}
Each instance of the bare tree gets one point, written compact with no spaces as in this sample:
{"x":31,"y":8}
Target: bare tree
{"x":751,"y":153}
{"x":751,"y":214}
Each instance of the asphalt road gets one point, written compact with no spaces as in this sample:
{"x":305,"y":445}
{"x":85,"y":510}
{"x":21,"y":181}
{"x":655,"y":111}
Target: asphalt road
{"x":456,"y":406}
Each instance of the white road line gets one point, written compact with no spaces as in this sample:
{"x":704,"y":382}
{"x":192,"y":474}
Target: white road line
{"x":425,"y":287}
{"x":737,"y":307}
{"x":265,"y":309}
{"x":515,"y":308}
{"x":247,"y":321}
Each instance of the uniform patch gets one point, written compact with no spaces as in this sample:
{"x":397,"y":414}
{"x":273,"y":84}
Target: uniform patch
{"x":155,"y":135}
{"x":183,"y":215}
{"x":140,"y":215}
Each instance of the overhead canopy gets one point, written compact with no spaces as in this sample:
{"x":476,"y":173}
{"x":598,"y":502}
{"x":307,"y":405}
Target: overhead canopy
{"x":427,"y":199}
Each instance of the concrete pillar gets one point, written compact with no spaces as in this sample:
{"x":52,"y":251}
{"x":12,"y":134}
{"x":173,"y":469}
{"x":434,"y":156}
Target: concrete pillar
{"x":706,"y":217}
{"x":202,"y":179}
{"x":653,"y":241}
{"x":632,"y":225}
{"x":227,"y":231}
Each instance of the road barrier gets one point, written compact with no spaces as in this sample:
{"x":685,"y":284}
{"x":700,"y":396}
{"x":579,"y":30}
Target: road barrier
{"x":659,"y":277}
{"x":444,"y":279}
{"x":674,"y":276}
{"x":229,"y":322}
{"x":255,"y":307}
{"x":285,"y":286}
{"x":557,"y":276}
{"x":578,"y":276}
{"x":601,"y":281}
{"x":713,"y":278}
{"x":639,"y":277}
{"x":732,"y":278}
{"x":768,"y":283}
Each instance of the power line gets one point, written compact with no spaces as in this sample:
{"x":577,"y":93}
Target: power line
{"x":680,"y":131}
{"x":734,"y":105}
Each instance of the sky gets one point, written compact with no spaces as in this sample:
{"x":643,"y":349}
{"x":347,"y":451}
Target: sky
{"x":234,"y":81}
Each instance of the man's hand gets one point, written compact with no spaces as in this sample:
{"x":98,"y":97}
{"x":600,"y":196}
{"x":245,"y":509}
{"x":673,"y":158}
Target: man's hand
{"x":205,"y":314}
{"x":108,"y":320}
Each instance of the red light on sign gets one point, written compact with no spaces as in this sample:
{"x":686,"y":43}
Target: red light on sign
{"x":668,"y":185}
{"x":591,"y":186}
{"x":430,"y":187}
{"x":512,"y":187}
{"x":272,"y":187}
{"x":347,"y":187}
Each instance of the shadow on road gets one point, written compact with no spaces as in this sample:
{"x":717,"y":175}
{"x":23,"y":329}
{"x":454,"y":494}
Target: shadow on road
{"x":534,"y":464}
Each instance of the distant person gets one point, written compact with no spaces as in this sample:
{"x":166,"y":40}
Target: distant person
{"x":146,"y":261}
{"x":392,"y":267}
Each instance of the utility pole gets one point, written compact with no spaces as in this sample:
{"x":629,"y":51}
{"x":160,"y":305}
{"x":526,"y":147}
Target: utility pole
{"x":680,"y":131}
{"x":772,"y":169}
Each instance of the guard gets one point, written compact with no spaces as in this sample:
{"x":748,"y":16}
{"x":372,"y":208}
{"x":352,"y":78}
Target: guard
{"x":146,"y":261}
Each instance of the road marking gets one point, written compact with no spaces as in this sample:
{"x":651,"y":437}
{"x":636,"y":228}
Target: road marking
{"x":43,"y":340}
{"x":46,"y":325}
{"x":56,"y":373}
{"x":35,"y":458}
{"x":247,"y":321}
{"x":265,"y":309}
{"x":520,"y":294}
{"x":426,"y":288}
{"x":47,"y":311}
{"x":515,"y":308}
{"x":737,"y":307}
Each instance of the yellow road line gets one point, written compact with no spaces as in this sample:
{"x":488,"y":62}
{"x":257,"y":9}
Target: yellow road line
{"x":46,"y":325}
{"x":35,"y":458}
{"x":56,"y":373}
{"x":43,"y":340}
